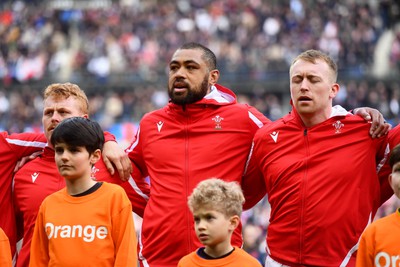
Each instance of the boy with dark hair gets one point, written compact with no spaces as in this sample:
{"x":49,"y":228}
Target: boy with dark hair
{"x":88,"y":223}
{"x":216,"y":206}
{"x":379,"y":244}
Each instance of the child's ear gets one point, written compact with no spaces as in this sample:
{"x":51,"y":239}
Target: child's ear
{"x":234,"y":221}
{"x":95,"y":157}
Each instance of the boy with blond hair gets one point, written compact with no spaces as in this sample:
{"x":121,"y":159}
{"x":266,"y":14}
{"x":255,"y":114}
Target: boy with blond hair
{"x":379,"y":244}
{"x":216,"y":206}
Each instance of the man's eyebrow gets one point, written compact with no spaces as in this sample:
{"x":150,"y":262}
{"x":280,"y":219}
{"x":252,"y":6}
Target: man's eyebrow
{"x":189,"y":61}
{"x":313,"y":76}
{"x":310,"y":75}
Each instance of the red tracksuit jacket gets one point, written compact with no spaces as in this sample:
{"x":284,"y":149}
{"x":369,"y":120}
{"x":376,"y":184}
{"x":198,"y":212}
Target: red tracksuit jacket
{"x":177,"y":147}
{"x":322,"y":185}
{"x":13,"y":147}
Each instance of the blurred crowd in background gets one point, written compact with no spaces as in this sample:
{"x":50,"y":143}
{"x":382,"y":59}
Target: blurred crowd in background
{"x":133,"y":40}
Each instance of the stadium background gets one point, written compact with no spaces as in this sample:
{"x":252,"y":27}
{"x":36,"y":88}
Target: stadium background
{"x":118,"y":51}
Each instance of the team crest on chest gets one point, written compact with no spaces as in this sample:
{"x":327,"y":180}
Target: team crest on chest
{"x":338,"y":125}
{"x":93,"y":172}
{"x":218,"y":120}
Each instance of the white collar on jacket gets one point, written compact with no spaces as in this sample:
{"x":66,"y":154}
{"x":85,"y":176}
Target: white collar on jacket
{"x":219,"y":96}
{"x":338,"y":111}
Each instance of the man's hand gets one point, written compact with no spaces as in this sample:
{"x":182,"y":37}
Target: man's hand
{"x":114,"y":155}
{"x":26,"y":159}
{"x":379,"y":126}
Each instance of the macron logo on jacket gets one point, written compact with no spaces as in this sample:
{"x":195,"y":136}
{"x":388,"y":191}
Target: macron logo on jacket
{"x":274,"y":136}
{"x":160,"y":125}
{"x":34,"y":176}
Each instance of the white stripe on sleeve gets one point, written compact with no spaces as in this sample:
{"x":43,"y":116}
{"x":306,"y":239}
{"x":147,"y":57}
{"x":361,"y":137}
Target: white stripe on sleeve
{"x":255,"y":120}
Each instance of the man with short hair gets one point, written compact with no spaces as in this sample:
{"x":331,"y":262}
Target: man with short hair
{"x":318,"y":166}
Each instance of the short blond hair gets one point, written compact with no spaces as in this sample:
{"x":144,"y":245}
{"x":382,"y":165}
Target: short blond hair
{"x":214,"y":193}
{"x":64,"y":91}
{"x":312,"y":55}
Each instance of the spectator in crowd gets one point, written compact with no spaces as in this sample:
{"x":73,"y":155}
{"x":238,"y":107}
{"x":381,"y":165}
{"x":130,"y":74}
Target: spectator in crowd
{"x":39,"y":178}
{"x":379,"y":244}
{"x":253,"y":236}
{"x":136,"y":37}
{"x":306,"y":164}
{"x":216,"y":206}
{"x":104,"y":233}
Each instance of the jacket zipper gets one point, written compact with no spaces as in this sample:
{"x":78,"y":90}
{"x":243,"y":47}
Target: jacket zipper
{"x":302,"y":197}
{"x":186,"y":175}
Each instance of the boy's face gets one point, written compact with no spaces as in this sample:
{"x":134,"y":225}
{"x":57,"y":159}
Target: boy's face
{"x":74,"y":162}
{"x":213,"y":227}
{"x":394,"y":179}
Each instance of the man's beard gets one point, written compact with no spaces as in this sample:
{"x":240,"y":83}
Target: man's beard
{"x":192,"y":96}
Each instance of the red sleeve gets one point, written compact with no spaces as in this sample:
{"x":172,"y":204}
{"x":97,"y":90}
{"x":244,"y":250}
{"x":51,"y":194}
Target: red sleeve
{"x":109,"y":137}
{"x":136,"y":156}
{"x":257,"y":117}
{"x":253,"y":183}
{"x":139,"y":176}
{"x":385,"y":188}
{"x":24,"y":144}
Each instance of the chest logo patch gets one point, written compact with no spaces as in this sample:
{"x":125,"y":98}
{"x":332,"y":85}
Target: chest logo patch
{"x":274,"y":136}
{"x":93,"y":172}
{"x":218,"y":120}
{"x":160,"y":125}
{"x":338,"y":125}
{"x":34,"y":176}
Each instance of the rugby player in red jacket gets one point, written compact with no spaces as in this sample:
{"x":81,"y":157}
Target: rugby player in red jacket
{"x":203,"y":132}
{"x":319,"y":168}
{"x":39,"y":178}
